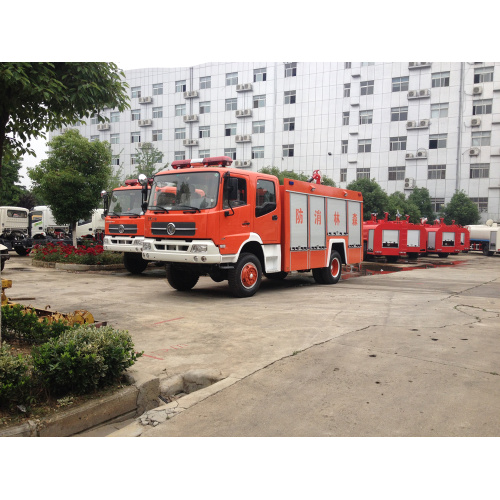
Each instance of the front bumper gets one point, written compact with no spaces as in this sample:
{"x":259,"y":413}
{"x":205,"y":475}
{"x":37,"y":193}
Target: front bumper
{"x":132,"y":244}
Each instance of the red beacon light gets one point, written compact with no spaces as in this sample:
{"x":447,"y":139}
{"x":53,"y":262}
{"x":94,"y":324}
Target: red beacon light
{"x":131,"y":182}
{"x":223,"y":161}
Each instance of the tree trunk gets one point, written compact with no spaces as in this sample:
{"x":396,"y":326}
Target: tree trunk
{"x":73,"y":232}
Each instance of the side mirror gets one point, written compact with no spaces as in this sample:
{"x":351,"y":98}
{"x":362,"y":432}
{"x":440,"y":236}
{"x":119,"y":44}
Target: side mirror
{"x":105,"y":199}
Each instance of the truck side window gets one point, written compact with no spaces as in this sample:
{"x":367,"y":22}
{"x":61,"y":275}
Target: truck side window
{"x":235,"y":190}
{"x":266,"y":198}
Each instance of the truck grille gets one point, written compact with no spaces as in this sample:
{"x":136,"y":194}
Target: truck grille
{"x":122,"y":228}
{"x":178,"y":228}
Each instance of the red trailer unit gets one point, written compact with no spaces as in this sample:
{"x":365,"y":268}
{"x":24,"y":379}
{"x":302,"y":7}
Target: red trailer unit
{"x":444,"y":239}
{"x":393,"y":239}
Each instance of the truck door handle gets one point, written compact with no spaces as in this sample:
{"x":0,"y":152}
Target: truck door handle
{"x":245,"y":224}
{"x":275,"y":217}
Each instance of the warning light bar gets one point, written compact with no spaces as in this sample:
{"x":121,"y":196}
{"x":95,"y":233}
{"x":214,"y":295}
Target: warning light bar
{"x":223,"y":161}
{"x":135,"y":182}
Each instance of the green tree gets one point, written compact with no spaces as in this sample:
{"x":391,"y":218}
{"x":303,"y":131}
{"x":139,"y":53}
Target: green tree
{"x":42,"y":96}
{"x":290,"y":174}
{"x":10,"y":189}
{"x":461,"y":209}
{"x":421,"y":198}
{"x":146,"y":159}
{"x":375,"y":199}
{"x":399,"y":204}
{"x":71,"y":179}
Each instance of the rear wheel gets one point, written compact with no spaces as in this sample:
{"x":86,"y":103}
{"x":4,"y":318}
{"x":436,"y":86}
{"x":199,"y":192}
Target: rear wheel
{"x":244,"y":279}
{"x":413,"y":256}
{"x":22,"y":251}
{"x":392,"y":258}
{"x":181,"y":278}
{"x":486,"y":250}
{"x":134,"y":263}
{"x":443,"y":255}
{"x":331,"y":274}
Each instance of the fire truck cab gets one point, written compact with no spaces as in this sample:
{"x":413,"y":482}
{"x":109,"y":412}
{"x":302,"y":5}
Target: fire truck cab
{"x":204,"y":218}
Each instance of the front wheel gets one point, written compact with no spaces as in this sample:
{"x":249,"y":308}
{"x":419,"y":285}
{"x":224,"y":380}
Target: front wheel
{"x":134,"y":263}
{"x":22,"y":251}
{"x":244,"y":279}
{"x":486,"y":250}
{"x":182,"y":278}
{"x":331,"y":274}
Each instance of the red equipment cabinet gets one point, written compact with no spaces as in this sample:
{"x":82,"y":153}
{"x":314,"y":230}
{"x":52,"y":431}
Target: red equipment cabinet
{"x":393,"y":239}
{"x":444,"y":239}
{"x":238,"y":225}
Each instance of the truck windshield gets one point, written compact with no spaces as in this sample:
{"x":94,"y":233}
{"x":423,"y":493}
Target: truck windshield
{"x":125,"y":202}
{"x":185,"y":190}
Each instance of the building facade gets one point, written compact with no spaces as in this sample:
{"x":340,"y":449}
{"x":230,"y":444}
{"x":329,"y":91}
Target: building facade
{"x":406,"y":125}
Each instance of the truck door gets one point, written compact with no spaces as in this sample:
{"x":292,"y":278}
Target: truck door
{"x":266,"y":222}
{"x":236,"y":219}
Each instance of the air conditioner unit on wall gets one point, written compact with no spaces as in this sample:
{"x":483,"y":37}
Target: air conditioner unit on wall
{"x":243,"y":112}
{"x":409,"y":155}
{"x":422,"y":154}
{"x":477,"y":90}
{"x":103,"y":126}
{"x":243,"y":87}
{"x":424,"y":93}
{"x":190,"y":94}
{"x":423,"y":123}
{"x":190,"y":142}
{"x":475,"y":122}
{"x":145,"y":123}
{"x":410,"y":124}
{"x":409,"y":183}
{"x":190,"y":118}
{"x":145,"y":100}
{"x":473,"y":151}
{"x":412,"y":94}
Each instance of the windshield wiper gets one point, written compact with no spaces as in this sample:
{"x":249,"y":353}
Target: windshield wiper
{"x":113,"y":214}
{"x":131,"y":214}
{"x":155,"y":208}
{"x":188,"y":208}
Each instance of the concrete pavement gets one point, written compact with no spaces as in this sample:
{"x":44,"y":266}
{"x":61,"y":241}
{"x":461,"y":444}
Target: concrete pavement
{"x":413,"y":353}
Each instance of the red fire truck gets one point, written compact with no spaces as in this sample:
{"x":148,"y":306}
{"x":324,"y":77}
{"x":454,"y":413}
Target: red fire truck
{"x":124,"y":223}
{"x":204,"y":218}
{"x":445,"y":239}
{"x":393,"y":239}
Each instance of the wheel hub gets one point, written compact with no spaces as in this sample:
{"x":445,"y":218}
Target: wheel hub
{"x":249,"y":275}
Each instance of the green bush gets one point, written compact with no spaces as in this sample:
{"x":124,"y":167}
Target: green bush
{"x":14,"y":377}
{"x":83,"y":359}
{"x":24,"y":326}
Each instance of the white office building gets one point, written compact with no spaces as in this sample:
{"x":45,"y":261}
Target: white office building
{"x":433,"y":125}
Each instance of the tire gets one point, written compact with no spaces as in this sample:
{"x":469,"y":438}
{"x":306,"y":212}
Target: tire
{"x":412,"y":256}
{"x":22,"y":251}
{"x":392,"y":258}
{"x":134,"y":263}
{"x":331,"y":274}
{"x":443,"y":255}
{"x":276,"y":276}
{"x":244,"y":279}
{"x":2,"y":265}
{"x":486,"y":251}
{"x":182,"y":278}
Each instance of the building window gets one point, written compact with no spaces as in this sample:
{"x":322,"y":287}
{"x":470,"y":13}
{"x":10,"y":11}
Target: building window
{"x":347,"y":90}
{"x":441,"y":79}
{"x":362,"y":173}
{"x":136,"y":92}
{"x":180,"y":133}
{"x":400,"y":84}
{"x":158,"y":112}
{"x":366,"y":117}
{"x":115,"y":116}
{"x":364,"y":145}
{"x":482,"y":75}
{"x":288,"y":150}
{"x":480,"y":171}
{"x":399,"y":114}
{"x":366,"y":88}
{"x":94,"y":138}
{"x":288,"y":124}
{"x":230,"y":129}
{"x":345,"y":118}
{"x":136,"y":114}
{"x":204,"y":153}
{"x":439,"y":110}
{"x":290,"y":69}
{"x":157,"y":135}
{"x":396,"y":173}
{"x":231,"y":152}
{"x":397,"y":143}
{"x":133,"y":159}
{"x":347,"y":65}
{"x":482,"y":106}
{"x":344,"y":147}
{"x":367,"y":64}
{"x":231,"y":79}
{"x":259,"y":127}
{"x":158,"y":89}
{"x":94,"y":120}
{"x":180,"y":109}
{"x":259,"y":75}
{"x":204,"y":107}
{"x":231,"y":104}
{"x":179,"y":155}
{"x":205,"y":82}
{"x":481,"y":138}
{"x":257,"y":152}
{"x":290,"y":96}
{"x":204,"y":132}
{"x":135,"y":137}
{"x":115,"y":160}
{"x":180,"y":86}
{"x":437,"y":204}
{"x":343,"y":175}
{"x":115,"y":139}
{"x":437,"y":141}
{"x":259,"y":101}
{"x":482,"y":203}
{"x":436,"y":172}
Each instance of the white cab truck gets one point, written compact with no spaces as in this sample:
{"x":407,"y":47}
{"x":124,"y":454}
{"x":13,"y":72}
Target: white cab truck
{"x":43,"y":223}
{"x":14,"y":223}
{"x":485,"y":237}
{"x":91,"y":227}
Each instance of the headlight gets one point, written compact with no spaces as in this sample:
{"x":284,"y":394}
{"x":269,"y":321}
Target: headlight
{"x":146,"y":246}
{"x":199,"y":248}
{"x":107,"y":240}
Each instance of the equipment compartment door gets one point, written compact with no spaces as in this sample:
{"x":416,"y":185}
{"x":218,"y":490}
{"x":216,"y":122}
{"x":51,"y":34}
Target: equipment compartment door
{"x":413,"y":238}
{"x":355,"y":218}
{"x":299,"y":241}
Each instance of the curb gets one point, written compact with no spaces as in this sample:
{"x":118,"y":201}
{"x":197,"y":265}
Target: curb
{"x":76,"y":267}
{"x":130,"y":401}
